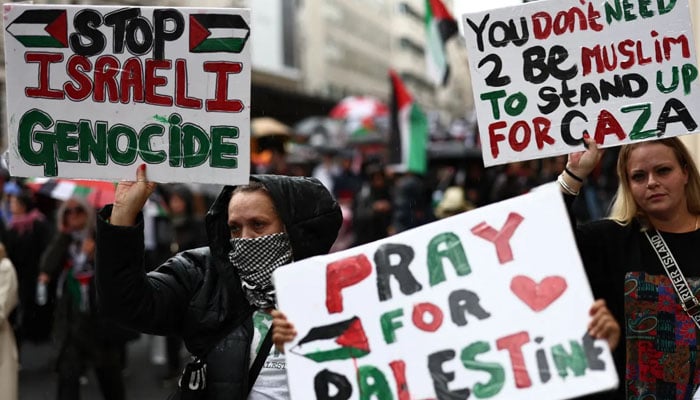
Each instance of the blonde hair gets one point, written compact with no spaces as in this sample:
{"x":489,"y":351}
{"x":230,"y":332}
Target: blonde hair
{"x":624,"y":209}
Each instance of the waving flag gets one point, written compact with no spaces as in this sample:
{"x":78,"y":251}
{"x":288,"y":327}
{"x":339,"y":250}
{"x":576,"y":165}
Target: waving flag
{"x":338,"y":341}
{"x":96,"y":193}
{"x":440,"y":26}
{"x":408,"y":140}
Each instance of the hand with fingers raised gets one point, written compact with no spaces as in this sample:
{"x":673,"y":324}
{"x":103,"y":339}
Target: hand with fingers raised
{"x":130,"y":197}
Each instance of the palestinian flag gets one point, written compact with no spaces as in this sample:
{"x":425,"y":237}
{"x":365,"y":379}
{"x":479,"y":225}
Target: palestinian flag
{"x":339,"y":341}
{"x":96,"y":193}
{"x":408,"y":140}
{"x":439,"y":27}
{"x":211,"y":33}
{"x":41,"y":28}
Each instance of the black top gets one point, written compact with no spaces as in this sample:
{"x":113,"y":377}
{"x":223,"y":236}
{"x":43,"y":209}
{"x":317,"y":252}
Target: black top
{"x":624,"y":269}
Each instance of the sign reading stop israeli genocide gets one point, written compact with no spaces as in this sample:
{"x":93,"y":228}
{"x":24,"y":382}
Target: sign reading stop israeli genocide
{"x":93,"y":92}
{"x":547,"y":72}
{"x":492,"y":303}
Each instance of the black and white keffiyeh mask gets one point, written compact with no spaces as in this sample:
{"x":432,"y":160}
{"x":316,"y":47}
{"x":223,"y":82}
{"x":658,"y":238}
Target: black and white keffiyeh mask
{"x":255,"y":259}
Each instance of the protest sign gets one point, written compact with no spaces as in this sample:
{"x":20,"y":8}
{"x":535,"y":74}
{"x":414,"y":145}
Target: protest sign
{"x":492,"y":303}
{"x":547,"y":72}
{"x":93,"y":92}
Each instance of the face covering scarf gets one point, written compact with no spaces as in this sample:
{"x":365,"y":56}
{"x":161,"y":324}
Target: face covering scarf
{"x":255,"y":259}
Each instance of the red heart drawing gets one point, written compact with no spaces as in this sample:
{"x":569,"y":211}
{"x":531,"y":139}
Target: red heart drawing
{"x":538,"y":296}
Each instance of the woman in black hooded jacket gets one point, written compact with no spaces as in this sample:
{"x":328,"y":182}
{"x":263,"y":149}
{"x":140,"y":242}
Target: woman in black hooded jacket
{"x":211,"y":296}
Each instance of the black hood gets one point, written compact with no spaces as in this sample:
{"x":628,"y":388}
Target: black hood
{"x":309,"y":213}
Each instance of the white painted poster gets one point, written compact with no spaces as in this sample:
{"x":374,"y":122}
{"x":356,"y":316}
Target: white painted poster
{"x":547,"y":72}
{"x":492,"y":303}
{"x":93,"y":92}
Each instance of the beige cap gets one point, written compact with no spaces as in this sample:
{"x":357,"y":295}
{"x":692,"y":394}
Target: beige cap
{"x":453,"y":202}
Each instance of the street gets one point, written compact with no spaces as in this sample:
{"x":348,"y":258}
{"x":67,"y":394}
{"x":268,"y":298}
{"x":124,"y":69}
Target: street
{"x":37,"y":380}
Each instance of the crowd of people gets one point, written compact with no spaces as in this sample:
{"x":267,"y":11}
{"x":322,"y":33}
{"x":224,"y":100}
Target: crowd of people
{"x":200,"y":272}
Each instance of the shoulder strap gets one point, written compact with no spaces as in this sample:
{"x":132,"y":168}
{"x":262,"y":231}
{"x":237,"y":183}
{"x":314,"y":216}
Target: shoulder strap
{"x":260,"y":359}
{"x":687,"y":299}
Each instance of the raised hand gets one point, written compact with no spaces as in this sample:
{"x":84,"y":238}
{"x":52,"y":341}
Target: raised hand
{"x":130,"y":197}
{"x":581,"y":163}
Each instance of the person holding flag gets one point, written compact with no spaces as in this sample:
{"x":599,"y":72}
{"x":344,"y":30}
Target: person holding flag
{"x":219,"y":297}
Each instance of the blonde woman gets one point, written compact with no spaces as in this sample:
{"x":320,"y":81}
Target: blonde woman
{"x":656,"y":213}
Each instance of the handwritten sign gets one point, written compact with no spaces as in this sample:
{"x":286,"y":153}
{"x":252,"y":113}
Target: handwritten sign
{"x":547,"y":72}
{"x":492,"y":303}
{"x":92,"y":92}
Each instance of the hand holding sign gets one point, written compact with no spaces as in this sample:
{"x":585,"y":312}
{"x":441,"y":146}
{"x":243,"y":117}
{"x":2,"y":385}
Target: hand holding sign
{"x":582,"y":163}
{"x":282,"y":330}
{"x":130,"y":198}
{"x":603,"y":324}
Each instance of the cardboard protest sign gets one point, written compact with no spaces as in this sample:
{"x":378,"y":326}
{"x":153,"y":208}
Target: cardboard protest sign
{"x":93,"y":92}
{"x":492,"y":303}
{"x":547,"y":72}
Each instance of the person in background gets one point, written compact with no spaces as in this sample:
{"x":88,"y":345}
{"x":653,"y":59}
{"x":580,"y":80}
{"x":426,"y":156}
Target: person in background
{"x":219,"y":297}
{"x":371,"y":207}
{"x":515,"y":178}
{"x":452,"y":203}
{"x":5,"y":182}
{"x":189,"y":232}
{"x":85,"y":339}
{"x":412,"y":203}
{"x":9,"y":359}
{"x":327,"y":170}
{"x":654,"y":223}
{"x":27,"y":236}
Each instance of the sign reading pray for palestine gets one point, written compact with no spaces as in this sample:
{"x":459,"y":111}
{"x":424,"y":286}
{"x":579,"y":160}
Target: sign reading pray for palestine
{"x":489,"y":304}
{"x":546,"y":73}
{"x":93,"y":92}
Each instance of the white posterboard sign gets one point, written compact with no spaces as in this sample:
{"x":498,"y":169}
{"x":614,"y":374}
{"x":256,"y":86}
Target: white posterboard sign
{"x":93,"y":92}
{"x":492,"y":303}
{"x":546,"y":72}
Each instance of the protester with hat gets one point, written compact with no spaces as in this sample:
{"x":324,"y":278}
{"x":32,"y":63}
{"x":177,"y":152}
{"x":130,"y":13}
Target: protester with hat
{"x":452,"y":203}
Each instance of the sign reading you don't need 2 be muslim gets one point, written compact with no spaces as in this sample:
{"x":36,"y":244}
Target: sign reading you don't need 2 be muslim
{"x":546,"y":72}
{"x":489,"y":304}
{"x":92,"y":92}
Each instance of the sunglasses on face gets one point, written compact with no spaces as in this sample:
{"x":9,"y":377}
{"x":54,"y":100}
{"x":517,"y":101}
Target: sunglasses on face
{"x":74,"y":210}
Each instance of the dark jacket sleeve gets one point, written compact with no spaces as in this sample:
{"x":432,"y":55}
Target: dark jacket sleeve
{"x":154,"y":303}
{"x":599,"y":244}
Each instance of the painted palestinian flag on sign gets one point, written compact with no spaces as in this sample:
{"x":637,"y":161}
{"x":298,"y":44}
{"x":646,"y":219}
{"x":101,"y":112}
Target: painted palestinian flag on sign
{"x":41,"y":28}
{"x":338,"y":341}
{"x":211,"y":33}
{"x":440,"y":26}
{"x":408,"y":138}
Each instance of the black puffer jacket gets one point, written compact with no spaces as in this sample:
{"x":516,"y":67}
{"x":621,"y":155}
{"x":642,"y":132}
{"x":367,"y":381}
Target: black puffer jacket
{"x":196,"y":294}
